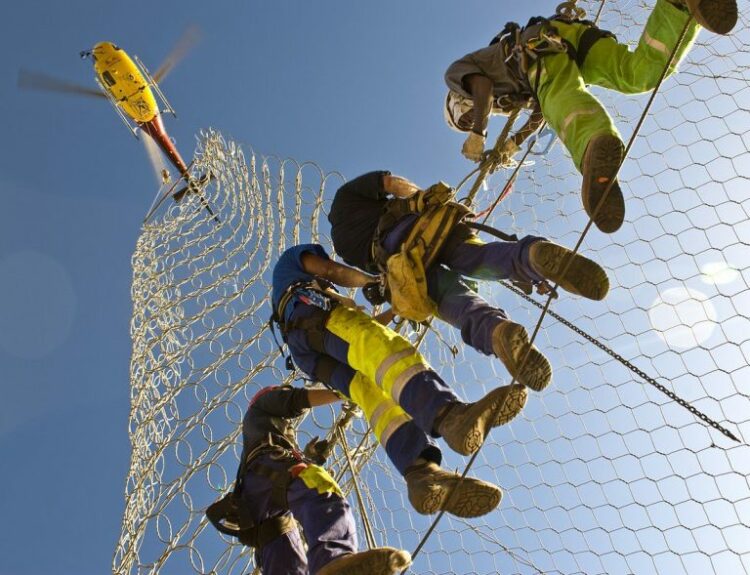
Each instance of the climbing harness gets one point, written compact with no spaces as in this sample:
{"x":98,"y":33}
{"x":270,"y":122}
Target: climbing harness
{"x":229,"y":516}
{"x":526,"y":46}
{"x":321,"y":294}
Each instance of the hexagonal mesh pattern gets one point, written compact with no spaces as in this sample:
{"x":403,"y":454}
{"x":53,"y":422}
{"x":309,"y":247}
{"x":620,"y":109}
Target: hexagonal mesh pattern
{"x":602,"y":473}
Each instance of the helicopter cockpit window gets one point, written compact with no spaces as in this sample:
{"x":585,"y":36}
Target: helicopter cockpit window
{"x":107,"y":77}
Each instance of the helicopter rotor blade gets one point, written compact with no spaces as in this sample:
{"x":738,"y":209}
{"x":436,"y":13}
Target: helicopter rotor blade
{"x":155,"y":158}
{"x":28,"y":80}
{"x":188,"y":39}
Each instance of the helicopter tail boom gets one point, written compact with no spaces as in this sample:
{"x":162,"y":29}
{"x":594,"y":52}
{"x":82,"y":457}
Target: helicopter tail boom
{"x":155,"y":129}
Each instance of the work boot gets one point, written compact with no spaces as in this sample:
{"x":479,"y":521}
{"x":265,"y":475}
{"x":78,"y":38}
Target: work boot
{"x":510,"y":342}
{"x":718,"y":16}
{"x":466,"y":425}
{"x":432,"y":489}
{"x":602,"y":160}
{"x":379,"y":561}
{"x":582,"y":276}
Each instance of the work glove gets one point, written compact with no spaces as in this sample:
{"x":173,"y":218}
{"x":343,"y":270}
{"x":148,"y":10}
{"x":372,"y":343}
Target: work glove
{"x":473,"y":148}
{"x":377,"y":292}
{"x":507,"y":152}
{"x":317,"y":450}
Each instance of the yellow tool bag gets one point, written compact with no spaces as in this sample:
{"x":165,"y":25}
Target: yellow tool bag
{"x":406,"y":270}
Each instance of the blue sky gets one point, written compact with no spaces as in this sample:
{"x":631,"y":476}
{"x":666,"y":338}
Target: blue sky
{"x":354,"y":89}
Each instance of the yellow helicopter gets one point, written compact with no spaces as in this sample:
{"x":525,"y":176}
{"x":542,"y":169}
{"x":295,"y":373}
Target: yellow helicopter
{"x":133,"y":92}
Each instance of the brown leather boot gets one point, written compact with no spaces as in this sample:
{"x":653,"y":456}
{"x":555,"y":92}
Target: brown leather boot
{"x":604,"y":154}
{"x":718,"y":16}
{"x":510,"y":342}
{"x":582,"y":276}
{"x":466,"y":425}
{"x":432,"y":489}
{"x":379,"y":561}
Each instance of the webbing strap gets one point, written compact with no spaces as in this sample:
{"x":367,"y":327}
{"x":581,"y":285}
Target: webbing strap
{"x":270,"y":529}
{"x":492,"y":231}
{"x":314,"y":327}
{"x":449,"y":215}
{"x":589,"y":37}
{"x":280,"y":480}
{"x":324,"y":369}
{"x":230,"y":516}
{"x":394,"y":210}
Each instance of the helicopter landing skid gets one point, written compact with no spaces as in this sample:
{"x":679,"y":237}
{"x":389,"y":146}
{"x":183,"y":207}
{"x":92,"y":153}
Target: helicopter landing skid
{"x":194,"y":187}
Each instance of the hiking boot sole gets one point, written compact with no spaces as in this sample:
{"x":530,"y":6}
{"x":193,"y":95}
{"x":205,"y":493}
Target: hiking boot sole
{"x":473,"y":498}
{"x":383,"y":561}
{"x":476,"y":420}
{"x":718,"y":16}
{"x":582,"y":276}
{"x":601,"y":163}
{"x":514,"y":404}
{"x":510,"y":342}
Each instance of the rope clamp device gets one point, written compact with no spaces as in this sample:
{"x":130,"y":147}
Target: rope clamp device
{"x":569,"y":11}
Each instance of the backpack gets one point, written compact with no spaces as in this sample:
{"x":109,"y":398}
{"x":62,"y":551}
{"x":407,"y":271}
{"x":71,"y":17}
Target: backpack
{"x":405,"y":269}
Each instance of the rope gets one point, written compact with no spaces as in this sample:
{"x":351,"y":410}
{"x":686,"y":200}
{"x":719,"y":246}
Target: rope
{"x":356,"y":452}
{"x":490,"y":162}
{"x":512,"y":178}
{"x":363,"y":512}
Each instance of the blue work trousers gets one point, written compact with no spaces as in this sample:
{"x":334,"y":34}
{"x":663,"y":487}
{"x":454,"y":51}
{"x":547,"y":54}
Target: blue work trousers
{"x":420,"y":397}
{"x":458,"y":304}
{"x":326,"y":519}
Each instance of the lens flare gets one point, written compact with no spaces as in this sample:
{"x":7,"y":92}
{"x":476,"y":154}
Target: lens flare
{"x":718,"y":273}
{"x":683,"y":317}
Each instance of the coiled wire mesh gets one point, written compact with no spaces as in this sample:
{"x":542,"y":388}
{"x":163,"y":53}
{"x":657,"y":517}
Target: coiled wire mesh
{"x":602,"y":474}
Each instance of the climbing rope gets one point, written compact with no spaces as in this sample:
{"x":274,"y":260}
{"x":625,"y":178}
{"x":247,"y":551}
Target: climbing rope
{"x":369,"y":536}
{"x":492,"y":159}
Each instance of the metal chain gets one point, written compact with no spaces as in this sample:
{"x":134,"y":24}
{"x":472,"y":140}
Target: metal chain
{"x":635,"y":369}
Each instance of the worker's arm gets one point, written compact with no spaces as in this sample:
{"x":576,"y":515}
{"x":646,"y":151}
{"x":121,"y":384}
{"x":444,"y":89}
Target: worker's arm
{"x":385,"y":317}
{"x":480,"y":88}
{"x":322,"y":397}
{"x":332,"y":271}
{"x":290,"y":402}
{"x":399,"y":187}
{"x":281,"y":401}
{"x":317,"y":449}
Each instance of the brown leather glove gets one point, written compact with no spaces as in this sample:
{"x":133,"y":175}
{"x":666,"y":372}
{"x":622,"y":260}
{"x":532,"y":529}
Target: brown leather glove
{"x":317,"y":450}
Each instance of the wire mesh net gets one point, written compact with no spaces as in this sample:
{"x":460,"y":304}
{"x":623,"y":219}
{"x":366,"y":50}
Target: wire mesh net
{"x":602,"y":473}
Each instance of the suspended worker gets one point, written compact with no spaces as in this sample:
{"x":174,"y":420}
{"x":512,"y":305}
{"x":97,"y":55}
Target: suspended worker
{"x":547,"y":65}
{"x":405,"y":401}
{"x":384,"y":223}
{"x":278,"y":486}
